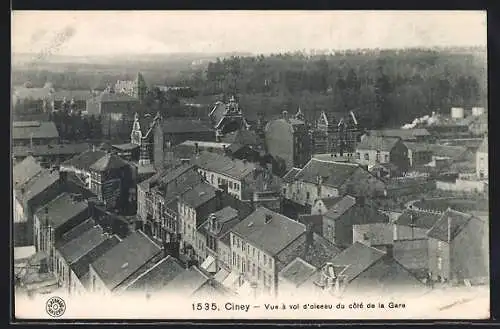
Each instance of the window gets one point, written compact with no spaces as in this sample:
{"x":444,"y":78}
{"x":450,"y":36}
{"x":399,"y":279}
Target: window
{"x":237,"y":243}
{"x":284,"y":191}
{"x":218,"y":180}
{"x":253,"y":252}
{"x":230,"y":184}
{"x":265,"y":259}
{"x":253,"y":269}
{"x":212,"y":179}
{"x":234,"y":258}
{"x":367,"y":157}
{"x":308,"y":195}
{"x":243,"y":266}
{"x":270,"y":262}
{"x":358,"y":155}
{"x":386,"y":158}
{"x":377,"y":156}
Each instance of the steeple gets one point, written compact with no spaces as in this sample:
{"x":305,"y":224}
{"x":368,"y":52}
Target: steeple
{"x":299,"y":115}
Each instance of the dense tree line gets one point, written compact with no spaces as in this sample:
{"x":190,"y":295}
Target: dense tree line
{"x":73,"y":126}
{"x":387,"y":87}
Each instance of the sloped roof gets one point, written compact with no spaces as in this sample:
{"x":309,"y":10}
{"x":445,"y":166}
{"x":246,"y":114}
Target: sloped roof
{"x":41,"y":150}
{"x":188,"y":282}
{"x":158,"y":276}
{"x":35,"y":129}
{"x":25,"y":170}
{"x":453,"y":152}
{"x":449,"y":225}
{"x":483,"y":148}
{"x":199,"y":195}
{"x":77,"y":95}
{"x":369,"y":142}
{"x":82,"y":265}
{"x":38,"y":184}
{"x":108,"y":162}
{"x":340,"y":207}
{"x":358,"y":258}
{"x":184,"y":125}
{"x":77,"y":231}
{"x":223,"y":217}
{"x":420,"y":219}
{"x":297,"y":272}
{"x":290,"y":175}
{"x":330,"y":202}
{"x":360,"y":214}
{"x":332,"y":173}
{"x":243,"y":137}
{"x":271,"y":237}
{"x":418,"y":147}
{"x":81,"y":245}
{"x":125,"y":258}
{"x":85,"y":160}
{"x":224,"y":165}
{"x":62,"y":209}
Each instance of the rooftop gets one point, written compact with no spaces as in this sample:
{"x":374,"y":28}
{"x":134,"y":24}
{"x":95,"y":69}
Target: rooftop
{"x":62,"y":209}
{"x":125,"y":258}
{"x":77,"y":231}
{"x":268,"y":230}
{"x":184,"y":125}
{"x":329,"y":173}
{"x":108,"y":162}
{"x":41,"y":150}
{"x":25,"y":170}
{"x":158,"y":276}
{"x":369,"y":142}
{"x":199,"y":195}
{"x":224,"y":165}
{"x":404,"y":134}
{"x":188,"y":282}
{"x":338,"y":208}
{"x":85,"y":160}
{"x":297,"y":272}
{"x":38,"y":184}
{"x":243,"y":137}
{"x":358,"y":258}
{"x":81,"y":266}
{"x":81,"y":245}
{"x":449,"y":225}
{"x":420,"y":219}
{"x":34,"y":129}
{"x":290,"y":175}
{"x":224,"y":218}
{"x":116,"y":97}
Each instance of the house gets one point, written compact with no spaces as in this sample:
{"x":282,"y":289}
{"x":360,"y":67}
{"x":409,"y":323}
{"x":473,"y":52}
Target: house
{"x":69,"y":255}
{"x":414,"y":224}
{"x":243,"y":137}
{"x":361,"y":269}
{"x":156,"y":278}
{"x":255,"y":244}
{"x":327,"y":179}
{"x":354,"y":219}
{"x":373,"y":150}
{"x":321,"y":206}
{"x":413,"y":254}
{"x":482,"y":160}
{"x":29,"y":133}
{"x":294,"y":276}
{"x":49,"y":155}
{"x":417,"y":135}
{"x":80,"y":165}
{"x":288,"y":142}
{"x":116,"y":112}
{"x":120,"y":265}
{"x":157,"y":204}
{"x":419,"y":153}
{"x":227,"y":118}
{"x":110,"y":180}
{"x":479,"y":125}
{"x":194,"y":206}
{"x":239,"y":178}
{"x":136,"y":88}
{"x":55,"y":218}
{"x":336,"y":133}
{"x":458,"y":248}
{"x":173,"y":131}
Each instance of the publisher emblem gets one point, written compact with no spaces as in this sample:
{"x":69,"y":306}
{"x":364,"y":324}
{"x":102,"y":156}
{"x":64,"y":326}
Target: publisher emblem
{"x":55,"y":307}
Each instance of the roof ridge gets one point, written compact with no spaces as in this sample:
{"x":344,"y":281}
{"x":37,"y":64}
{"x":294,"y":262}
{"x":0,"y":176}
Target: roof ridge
{"x":146,"y":272}
{"x":151,"y":240}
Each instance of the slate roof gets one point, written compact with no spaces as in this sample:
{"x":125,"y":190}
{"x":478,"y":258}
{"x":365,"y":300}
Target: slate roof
{"x":38,"y":184}
{"x":449,"y":151}
{"x":62,"y":209}
{"x":297,"y":272}
{"x":385,"y":144}
{"x":418,"y":147}
{"x":225,"y":217}
{"x":332,"y":173}
{"x":81,"y":266}
{"x":483,"y":148}
{"x":37,"y":129}
{"x":420,"y":219}
{"x":77,"y":231}
{"x":158,"y":276}
{"x":358,"y":258}
{"x":243,"y":137}
{"x":126,"y":146}
{"x":124,"y":259}
{"x":271,"y":237}
{"x":290,"y":175}
{"x":77,"y":95}
{"x":188,"y":282}
{"x":339,"y":208}
{"x":184,"y":125}
{"x":81,"y":245}
{"x":360,"y":214}
{"x":224,"y":165}
{"x":198,"y":195}
{"x":84,"y":160}
{"x":449,"y":225}
{"x":41,"y":150}
{"x":108,"y":162}
{"x":330,"y":202}
{"x":25,"y":170}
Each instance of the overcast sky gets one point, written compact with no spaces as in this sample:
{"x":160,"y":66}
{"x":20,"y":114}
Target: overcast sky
{"x":114,"y":32}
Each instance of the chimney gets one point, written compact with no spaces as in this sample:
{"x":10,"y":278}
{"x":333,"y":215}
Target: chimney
{"x":218,"y":199}
{"x":309,"y":237}
{"x":268,"y":218}
{"x":196,"y":148}
{"x":63,"y":177}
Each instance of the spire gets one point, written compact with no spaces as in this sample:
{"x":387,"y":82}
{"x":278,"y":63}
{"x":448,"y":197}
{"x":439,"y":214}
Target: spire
{"x":299,"y":115}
